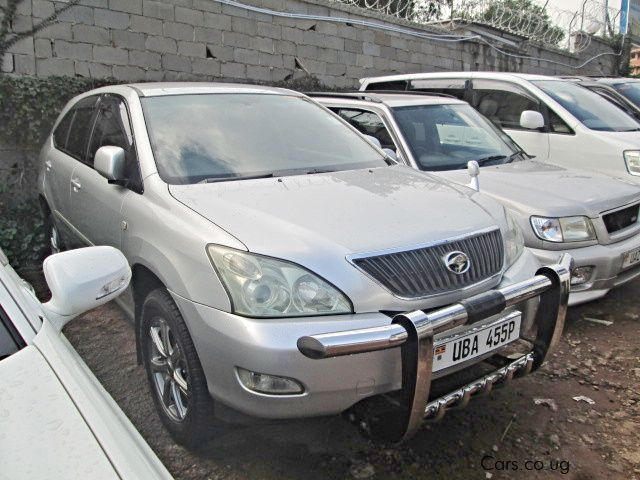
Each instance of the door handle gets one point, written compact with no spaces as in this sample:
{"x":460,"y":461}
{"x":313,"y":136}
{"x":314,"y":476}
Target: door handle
{"x":48,"y":165}
{"x":76,"y":184}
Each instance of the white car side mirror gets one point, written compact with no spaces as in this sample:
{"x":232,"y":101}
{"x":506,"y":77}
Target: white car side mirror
{"x":531,"y":120}
{"x":391,"y":154}
{"x":83,"y":279}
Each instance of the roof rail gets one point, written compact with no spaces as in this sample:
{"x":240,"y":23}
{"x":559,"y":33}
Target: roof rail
{"x":365,"y":95}
{"x":350,"y":95}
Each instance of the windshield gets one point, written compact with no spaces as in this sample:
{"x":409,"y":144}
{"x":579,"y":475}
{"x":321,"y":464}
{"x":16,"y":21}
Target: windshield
{"x":446,"y":137}
{"x":215,"y":137}
{"x":631,"y":90}
{"x":590,"y":108}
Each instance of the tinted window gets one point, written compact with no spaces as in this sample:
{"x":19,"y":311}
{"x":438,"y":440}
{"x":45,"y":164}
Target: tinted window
{"x":368,"y":123}
{"x":224,"y":136}
{"x":62,"y":130}
{"x":502,"y":102}
{"x":588,"y":107}
{"x":393,"y":85}
{"x":76,"y":145}
{"x":446,"y":137}
{"x":10,"y":341}
{"x":631,"y":90}
{"x":448,"y":86}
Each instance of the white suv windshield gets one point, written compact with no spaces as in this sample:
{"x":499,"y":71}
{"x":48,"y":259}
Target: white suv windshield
{"x":215,"y":137}
{"x":590,"y":108}
{"x":446,"y":137}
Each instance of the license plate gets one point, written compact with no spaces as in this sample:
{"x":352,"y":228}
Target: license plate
{"x":630,"y":258}
{"x":450,"y":352}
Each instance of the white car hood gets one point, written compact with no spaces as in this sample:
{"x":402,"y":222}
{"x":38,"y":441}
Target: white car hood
{"x":42,"y":434}
{"x":341,"y":212}
{"x":621,"y":140}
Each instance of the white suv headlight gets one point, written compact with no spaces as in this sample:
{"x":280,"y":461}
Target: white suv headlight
{"x":565,"y":229}
{"x":513,"y":240}
{"x":632,"y":160}
{"x":260,"y":286}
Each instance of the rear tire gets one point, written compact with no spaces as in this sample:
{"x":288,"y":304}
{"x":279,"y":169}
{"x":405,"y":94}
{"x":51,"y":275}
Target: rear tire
{"x":176,"y":379}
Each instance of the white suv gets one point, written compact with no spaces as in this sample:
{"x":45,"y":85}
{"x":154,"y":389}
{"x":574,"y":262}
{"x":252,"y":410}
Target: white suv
{"x":551,"y":118}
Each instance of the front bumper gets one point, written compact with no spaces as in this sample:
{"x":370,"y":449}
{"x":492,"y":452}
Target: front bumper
{"x":607,"y":262}
{"x":414,"y":333}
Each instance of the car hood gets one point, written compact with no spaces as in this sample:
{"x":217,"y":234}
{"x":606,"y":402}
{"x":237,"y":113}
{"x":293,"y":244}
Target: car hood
{"x":621,"y":140}
{"x":350,"y":211}
{"x":537,"y":188}
{"x":42,"y":433}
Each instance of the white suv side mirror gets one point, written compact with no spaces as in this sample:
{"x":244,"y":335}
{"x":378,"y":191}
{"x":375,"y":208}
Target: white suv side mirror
{"x":83,"y":279}
{"x":531,"y":120}
{"x":373,"y":140}
{"x":110,"y":162}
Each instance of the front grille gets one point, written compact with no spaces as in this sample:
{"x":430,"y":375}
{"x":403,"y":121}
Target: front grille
{"x":422,"y":272}
{"x":621,"y":219}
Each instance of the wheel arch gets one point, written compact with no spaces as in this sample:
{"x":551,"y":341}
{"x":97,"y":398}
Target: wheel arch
{"x":143,"y":282}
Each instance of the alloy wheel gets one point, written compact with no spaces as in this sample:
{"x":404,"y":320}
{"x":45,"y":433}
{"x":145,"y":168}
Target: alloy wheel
{"x":168,"y":370}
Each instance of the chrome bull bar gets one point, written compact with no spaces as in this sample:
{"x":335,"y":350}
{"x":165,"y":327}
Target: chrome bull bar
{"x":414,"y":333}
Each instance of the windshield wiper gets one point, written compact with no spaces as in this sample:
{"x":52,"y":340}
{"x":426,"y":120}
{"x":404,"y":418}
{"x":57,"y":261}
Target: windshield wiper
{"x":318,"y":170}
{"x":235,"y":177}
{"x":491,"y":158}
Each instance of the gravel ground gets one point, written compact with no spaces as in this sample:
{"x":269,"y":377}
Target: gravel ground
{"x":568,"y":438}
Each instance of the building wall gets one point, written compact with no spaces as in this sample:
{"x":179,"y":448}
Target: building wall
{"x":153,"y":40}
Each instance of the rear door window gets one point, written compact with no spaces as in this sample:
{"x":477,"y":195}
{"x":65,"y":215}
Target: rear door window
{"x":61,"y":132}
{"x":76,"y":144}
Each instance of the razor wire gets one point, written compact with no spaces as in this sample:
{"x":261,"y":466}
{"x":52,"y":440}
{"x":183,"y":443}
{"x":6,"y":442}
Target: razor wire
{"x":538,"y":22}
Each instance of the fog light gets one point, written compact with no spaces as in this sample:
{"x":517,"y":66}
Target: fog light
{"x":581,"y":275}
{"x":270,"y":384}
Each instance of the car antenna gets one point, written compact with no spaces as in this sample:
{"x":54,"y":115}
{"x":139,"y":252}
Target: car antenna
{"x":473,"y":169}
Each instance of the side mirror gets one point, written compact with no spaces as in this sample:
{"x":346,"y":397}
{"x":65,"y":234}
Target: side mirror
{"x":83,"y":279}
{"x":531,"y":120}
{"x":373,"y":140}
{"x":473,"y":169}
{"x":109,"y":162}
{"x":391,"y":154}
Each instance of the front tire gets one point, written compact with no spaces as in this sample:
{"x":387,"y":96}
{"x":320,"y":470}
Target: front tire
{"x":176,"y":379}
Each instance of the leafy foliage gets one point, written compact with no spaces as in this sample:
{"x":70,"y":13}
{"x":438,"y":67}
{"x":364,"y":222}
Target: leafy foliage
{"x":28,"y":108}
{"x":22,"y":233}
{"x":30,"y":105}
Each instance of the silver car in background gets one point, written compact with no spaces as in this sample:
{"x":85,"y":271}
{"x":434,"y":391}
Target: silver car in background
{"x":591,"y":216}
{"x":283,"y":267}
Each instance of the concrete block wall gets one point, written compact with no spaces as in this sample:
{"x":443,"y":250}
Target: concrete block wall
{"x":151,"y":40}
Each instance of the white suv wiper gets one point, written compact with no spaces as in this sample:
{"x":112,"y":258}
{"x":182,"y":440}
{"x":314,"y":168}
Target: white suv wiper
{"x":490,"y":158}
{"x":229,"y":178}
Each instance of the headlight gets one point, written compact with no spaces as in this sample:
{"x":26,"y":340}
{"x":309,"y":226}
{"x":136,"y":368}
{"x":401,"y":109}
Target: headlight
{"x":566,"y":229}
{"x":632,"y":159}
{"x":513,"y":240}
{"x":261,"y":286}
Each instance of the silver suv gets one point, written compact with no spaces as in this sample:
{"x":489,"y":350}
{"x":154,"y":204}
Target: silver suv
{"x":591,"y":216}
{"x":284,"y":267}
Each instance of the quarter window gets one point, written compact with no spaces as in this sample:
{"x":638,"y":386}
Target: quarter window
{"x":367,"y":123}
{"x":449,"y":86}
{"x":112,"y":128}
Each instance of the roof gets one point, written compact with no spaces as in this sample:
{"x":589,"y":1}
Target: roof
{"x":186,"y":88}
{"x":389,"y":99}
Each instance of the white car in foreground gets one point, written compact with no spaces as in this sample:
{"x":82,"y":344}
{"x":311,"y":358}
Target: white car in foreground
{"x":56,"y":420}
